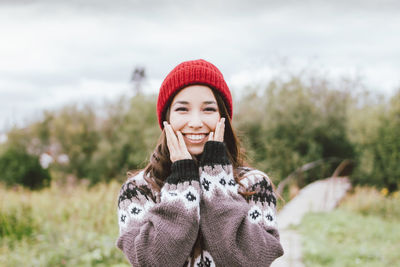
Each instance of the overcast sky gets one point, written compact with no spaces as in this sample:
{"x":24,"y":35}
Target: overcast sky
{"x":54,"y":52}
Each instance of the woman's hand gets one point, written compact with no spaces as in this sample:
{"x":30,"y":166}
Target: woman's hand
{"x":176,"y":144}
{"x":219,"y":132}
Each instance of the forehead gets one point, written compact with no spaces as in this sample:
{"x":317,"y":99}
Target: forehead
{"x":195,"y":94}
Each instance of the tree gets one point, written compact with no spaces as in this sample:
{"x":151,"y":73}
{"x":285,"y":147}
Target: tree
{"x":292,"y":123}
{"x":385,"y":148}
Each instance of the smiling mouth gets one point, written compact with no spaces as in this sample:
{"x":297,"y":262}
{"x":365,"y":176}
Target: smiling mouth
{"x":195,"y":138}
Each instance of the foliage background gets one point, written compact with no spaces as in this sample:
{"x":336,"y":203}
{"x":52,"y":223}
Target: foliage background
{"x":283,"y":126}
{"x":70,"y":217}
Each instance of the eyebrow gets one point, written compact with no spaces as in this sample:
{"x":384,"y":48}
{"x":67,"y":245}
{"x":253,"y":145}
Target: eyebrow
{"x":187,"y":103}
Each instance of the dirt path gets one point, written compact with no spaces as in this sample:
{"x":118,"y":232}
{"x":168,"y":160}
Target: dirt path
{"x":320,"y":196}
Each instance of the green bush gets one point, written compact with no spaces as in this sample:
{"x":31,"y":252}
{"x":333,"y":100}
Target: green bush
{"x":19,"y":167}
{"x":386,"y":148}
{"x":75,"y":132}
{"x":291,"y":123}
{"x":128,"y":134}
{"x":379,"y":151}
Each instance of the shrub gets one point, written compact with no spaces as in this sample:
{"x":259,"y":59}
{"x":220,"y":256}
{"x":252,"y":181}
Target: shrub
{"x":292,"y":123}
{"x":19,"y":167}
{"x":379,"y":152}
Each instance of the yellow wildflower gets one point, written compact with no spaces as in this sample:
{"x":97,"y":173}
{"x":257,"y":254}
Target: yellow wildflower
{"x":384,"y":191}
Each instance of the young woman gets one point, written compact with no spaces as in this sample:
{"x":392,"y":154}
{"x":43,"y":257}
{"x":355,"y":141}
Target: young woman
{"x":195,"y":204}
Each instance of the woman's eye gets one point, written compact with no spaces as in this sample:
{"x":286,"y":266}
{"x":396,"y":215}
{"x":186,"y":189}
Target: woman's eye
{"x":210,"y":109}
{"x":181,"y":109}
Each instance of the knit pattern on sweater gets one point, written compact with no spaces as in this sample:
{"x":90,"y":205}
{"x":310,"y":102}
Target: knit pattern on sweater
{"x":161,"y":229}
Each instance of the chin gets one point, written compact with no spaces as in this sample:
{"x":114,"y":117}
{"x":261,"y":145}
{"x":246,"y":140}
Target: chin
{"x":196,"y":151}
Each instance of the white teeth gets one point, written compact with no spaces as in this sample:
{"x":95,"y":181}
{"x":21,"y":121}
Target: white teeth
{"x":195,"y":137}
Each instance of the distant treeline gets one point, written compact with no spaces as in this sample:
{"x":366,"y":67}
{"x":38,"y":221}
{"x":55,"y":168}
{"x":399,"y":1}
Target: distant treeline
{"x":283,"y":126}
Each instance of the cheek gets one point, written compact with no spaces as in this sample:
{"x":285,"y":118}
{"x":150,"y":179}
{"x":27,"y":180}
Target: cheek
{"x":212,"y":122}
{"x":176,"y":121}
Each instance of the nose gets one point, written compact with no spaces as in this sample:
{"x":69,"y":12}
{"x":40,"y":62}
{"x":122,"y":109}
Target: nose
{"x":195,"y":120}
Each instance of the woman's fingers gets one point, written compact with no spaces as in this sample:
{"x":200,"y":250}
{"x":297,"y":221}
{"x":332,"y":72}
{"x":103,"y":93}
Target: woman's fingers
{"x":217,"y":129}
{"x":220,"y":130}
{"x":182,"y":145}
{"x":176,"y":144}
{"x":218,"y":135}
{"x":211,"y":136}
{"x":172,"y":136}
{"x":172,"y":141}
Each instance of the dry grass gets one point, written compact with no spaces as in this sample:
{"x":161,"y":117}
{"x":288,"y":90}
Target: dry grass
{"x":59,"y":226}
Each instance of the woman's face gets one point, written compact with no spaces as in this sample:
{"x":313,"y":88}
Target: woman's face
{"x":194,"y":111}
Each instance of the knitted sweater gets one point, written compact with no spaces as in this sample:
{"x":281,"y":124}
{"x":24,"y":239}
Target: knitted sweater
{"x":199,"y":218}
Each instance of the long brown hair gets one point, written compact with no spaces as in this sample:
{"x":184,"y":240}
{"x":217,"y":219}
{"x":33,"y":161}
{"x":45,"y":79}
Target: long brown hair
{"x":159,"y":166}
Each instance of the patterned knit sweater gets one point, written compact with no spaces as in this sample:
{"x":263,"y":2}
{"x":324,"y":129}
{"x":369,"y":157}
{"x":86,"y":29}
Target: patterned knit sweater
{"x":199,"y":218}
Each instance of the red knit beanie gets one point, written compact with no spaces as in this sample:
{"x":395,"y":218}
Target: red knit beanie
{"x":190,"y":73}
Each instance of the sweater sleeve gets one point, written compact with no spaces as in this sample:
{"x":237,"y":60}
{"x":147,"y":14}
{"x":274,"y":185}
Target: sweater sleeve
{"x":236,"y":232}
{"x":160,"y":233}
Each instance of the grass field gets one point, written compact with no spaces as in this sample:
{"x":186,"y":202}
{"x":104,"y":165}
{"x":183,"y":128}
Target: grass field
{"x":363,"y":231}
{"x":60,"y":226}
{"x":76,"y":226}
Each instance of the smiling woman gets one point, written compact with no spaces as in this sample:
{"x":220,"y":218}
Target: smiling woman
{"x":196,"y":204}
{"x":194,"y":113}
